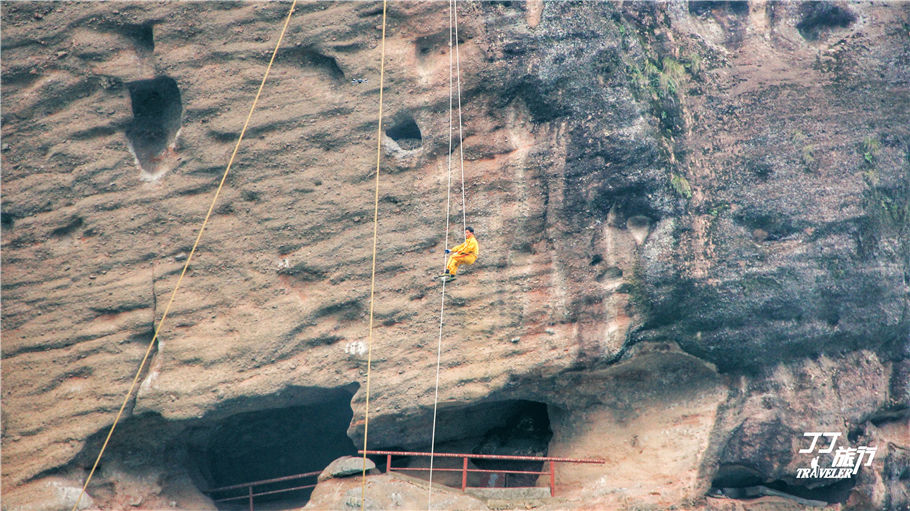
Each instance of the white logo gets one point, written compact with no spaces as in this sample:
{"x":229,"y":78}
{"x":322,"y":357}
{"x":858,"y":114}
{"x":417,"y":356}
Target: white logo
{"x":845,"y":464}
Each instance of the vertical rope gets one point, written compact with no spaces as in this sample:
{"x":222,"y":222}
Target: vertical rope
{"x":464,"y":204}
{"x":188,"y":258}
{"x":366,"y":422}
{"x":442,"y":306}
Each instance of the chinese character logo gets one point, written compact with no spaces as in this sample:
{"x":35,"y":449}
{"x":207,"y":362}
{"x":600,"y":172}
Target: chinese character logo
{"x":846,"y":463}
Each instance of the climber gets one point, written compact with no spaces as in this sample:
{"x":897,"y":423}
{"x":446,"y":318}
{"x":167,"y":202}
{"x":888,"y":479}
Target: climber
{"x":466,"y":253}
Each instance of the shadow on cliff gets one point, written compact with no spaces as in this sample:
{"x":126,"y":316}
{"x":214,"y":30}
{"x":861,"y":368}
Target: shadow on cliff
{"x":296,"y":431}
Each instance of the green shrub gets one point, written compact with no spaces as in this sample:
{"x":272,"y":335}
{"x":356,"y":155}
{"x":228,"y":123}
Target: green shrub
{"x":681,"y":186}
{"x":673,"y":72}
{"x":871,"y":147}
{"x":694,"y":64}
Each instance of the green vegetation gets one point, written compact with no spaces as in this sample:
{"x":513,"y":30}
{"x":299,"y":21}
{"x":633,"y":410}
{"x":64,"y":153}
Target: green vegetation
{"x":896,"y":209}
{"x":681,"y":185}
{"x":870,"y":148}
{"x":659,"y":80}
{"x":671,"y":75}
{"x":638,"y":78}
{"x":717,"y":209}
{"x":807,"y":157}
{"x":652,"y":75}
{"x":660,"y":87}
{"x":888,"y":205}
{"x":694,"y":64}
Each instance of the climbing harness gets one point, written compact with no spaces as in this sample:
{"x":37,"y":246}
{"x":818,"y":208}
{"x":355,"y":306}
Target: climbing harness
{"x":188,"y":258}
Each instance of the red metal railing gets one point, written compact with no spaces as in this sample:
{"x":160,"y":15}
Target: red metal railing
{"x":249,"y":486}
{"x":551,"y":462}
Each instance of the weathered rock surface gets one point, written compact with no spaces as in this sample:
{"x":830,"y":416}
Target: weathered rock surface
{"x":347,"y":466}
{"x":693,"y":216}
{"x":50,"y":495}
{"x":388,"y":491}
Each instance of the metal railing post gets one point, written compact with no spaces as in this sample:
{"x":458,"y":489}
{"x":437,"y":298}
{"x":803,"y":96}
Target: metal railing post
{"x":388,"y":463}
{"x":250,"y":494}
{"x":551,"y":470}
{"x":552,"y":479}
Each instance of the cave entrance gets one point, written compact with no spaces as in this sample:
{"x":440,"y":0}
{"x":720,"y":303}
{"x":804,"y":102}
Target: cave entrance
{"x":741,"y":482}
{"x":514,"y":427}
{"x":274,"y":443}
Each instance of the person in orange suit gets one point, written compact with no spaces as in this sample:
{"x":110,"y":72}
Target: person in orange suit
{"x":466,"y":253}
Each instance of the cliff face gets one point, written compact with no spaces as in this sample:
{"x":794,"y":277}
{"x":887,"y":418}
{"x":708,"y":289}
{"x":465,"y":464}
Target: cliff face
{"x":693,"y":224}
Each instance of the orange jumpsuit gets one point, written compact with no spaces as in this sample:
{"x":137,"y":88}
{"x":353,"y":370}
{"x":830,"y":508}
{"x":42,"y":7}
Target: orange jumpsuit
{"x":465,"y":253}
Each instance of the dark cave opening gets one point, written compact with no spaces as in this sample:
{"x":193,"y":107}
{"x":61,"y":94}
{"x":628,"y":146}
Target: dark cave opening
{"x":405,"y":132}
{"x":273,"y":443}
{"x":817,"y":16}
{"x":7,"y":220}
{"x":741,"y":482}
{"x":157,"y":110}
{"x":513,"y":427}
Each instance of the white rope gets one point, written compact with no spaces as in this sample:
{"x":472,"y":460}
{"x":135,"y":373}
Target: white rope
{"x":442,"y":306}
{"x":453,"y":34}
{"x":442,"y":309}
{"x":464,"y":204}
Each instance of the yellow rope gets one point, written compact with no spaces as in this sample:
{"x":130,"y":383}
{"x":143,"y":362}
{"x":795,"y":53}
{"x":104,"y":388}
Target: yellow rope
{"x":366,"y":420}
{"x":188,"y":259}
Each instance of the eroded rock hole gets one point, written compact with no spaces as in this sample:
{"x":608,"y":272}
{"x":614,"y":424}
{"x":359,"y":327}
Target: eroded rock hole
{"x":309,"y":57}
{"x":405,"y":132}
{"x":72,"y":225}
{"x":514,"y":427}
{"x":428,"y":45}
{"x":152,"y":134}
{"x":7,"y":220}
{"x":274,"y":443}
{"x":639,"y":226}
{"x":818,"y":16}
{"x":142,"y":35}
{"x":766,"y":225}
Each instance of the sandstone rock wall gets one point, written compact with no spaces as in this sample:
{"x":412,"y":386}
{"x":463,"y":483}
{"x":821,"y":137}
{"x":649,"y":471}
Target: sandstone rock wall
{"x":693,"y":221}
